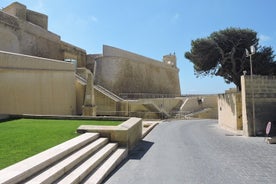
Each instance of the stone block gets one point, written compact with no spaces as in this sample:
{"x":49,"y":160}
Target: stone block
{"x":270,"y":140}
{"x":126,"y":134}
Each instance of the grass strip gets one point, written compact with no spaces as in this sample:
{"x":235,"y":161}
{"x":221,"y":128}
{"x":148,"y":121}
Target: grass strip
{"x":20,"y":139}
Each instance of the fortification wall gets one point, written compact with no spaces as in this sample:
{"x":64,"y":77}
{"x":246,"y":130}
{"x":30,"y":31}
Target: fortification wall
{"x":25,"y":38}
{"x":124,"y":72}
{"x":72,"y":52}
{"x":32,"y":85}
{"x":109,"y":51}
{"x":263,"y":90}
{"x":37,"y":18}
{"x":24,"y":31}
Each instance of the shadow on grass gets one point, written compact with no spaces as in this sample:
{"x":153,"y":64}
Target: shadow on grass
{"x":5,"y":118}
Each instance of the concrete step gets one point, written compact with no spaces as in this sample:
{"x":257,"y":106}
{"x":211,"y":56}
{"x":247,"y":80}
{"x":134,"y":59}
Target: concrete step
{"x":107,"y":167}
{"x":28,"y":167}
{"x":56,"y":171}
{"x":81,"y":171}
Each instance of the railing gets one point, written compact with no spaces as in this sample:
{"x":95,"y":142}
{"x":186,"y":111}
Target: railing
{"x":158,"y":95}
{"x":146,"y":95}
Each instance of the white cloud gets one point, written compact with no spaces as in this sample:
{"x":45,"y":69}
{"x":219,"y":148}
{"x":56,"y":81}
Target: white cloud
{"x":264,"y":38}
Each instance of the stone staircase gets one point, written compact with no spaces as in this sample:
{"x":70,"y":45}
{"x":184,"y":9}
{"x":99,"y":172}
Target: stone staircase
{"x":87,"y":158}
{"x":108,"y":93}
{"x":154,"y":108}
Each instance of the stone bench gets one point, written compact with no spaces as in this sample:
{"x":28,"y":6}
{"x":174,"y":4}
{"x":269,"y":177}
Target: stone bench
{"x":126,"y":134}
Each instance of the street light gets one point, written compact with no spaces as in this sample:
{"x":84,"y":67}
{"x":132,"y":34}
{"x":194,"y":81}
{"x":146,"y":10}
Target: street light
{"x":249,"y":54}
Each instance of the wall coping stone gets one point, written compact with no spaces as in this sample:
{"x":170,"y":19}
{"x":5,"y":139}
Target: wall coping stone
{"x":126,"y":134}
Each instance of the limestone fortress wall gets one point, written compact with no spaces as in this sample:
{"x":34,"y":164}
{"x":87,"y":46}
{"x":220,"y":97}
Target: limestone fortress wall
{"x":25,"y":32}
{"x":125,"y":74}
{"x":116,"y":72}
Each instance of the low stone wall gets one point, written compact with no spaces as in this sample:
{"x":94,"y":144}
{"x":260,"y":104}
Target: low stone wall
{"x":229,"y":111}
{"x":126,"y":134}
{"x":200,"y":106}
{"x":252,"y":108}
{"x":262,"y":92}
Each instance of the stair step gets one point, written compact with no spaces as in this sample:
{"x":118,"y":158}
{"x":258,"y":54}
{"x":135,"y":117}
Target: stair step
{"x":56,"y":171}
{"x":28,"y":167}
{"x":107,"y":167}
{"x":80,"y":172}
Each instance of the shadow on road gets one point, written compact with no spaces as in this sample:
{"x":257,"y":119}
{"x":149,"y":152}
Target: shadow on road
{"x":140,"y":150}
{"x":137,"y":153}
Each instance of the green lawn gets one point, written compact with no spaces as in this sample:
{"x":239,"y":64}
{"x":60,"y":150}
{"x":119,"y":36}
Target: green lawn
{"x":23,"y":138}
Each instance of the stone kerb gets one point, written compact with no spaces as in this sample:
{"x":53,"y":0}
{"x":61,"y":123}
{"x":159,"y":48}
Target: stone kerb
{"x":126,"y":134}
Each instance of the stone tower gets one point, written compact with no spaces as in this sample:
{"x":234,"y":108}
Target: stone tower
{"x":170,"y":60}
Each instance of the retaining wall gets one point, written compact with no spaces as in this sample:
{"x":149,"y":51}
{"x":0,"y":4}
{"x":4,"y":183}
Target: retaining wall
{"x":33,"y":85}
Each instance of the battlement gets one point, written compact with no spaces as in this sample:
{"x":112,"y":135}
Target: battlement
{"x":170,"y":60}
{"x":21,"y":12}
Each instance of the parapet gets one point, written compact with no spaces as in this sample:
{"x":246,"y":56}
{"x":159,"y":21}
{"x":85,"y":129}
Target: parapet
{"x":16,"y":9}
{"x":37,"y":19}
{"x":20,"y":11}
{"x":126,"y":134}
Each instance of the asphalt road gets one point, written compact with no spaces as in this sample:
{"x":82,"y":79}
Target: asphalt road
{"x":197,"y":152}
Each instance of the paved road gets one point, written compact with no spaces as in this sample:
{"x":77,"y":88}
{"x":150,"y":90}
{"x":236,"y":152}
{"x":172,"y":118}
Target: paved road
{"x":197,"y":152}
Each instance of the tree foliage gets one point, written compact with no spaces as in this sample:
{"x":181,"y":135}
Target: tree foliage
{"x":223,"y":54}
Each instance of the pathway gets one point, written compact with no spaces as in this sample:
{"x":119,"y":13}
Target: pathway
{"x":197,"y":152}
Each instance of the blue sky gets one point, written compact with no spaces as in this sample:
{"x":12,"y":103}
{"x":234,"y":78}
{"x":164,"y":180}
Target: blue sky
{"x":154,"y":28}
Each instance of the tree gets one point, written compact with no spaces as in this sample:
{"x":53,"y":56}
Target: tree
{"x":223,"y":54}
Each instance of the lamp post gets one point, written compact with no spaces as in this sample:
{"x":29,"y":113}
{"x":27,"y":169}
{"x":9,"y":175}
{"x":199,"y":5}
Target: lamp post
{"x":249,"y":54}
